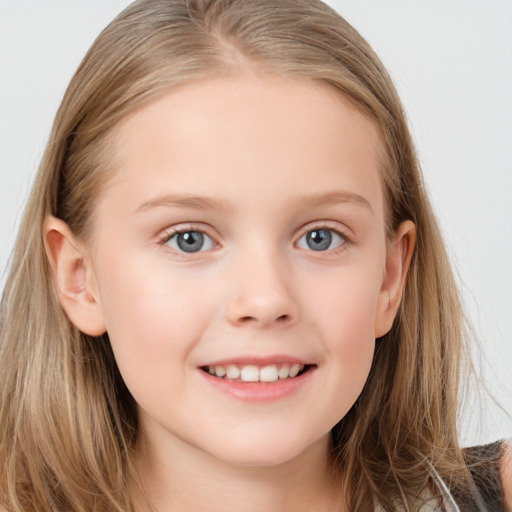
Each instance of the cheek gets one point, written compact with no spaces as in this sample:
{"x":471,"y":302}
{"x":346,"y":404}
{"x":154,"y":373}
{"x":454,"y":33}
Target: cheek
{"x":346,"y":303}
{"x":149,"y":317}
{"x":345,"y":309}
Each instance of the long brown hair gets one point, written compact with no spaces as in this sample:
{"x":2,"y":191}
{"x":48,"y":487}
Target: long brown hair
{"x":68,"y":423}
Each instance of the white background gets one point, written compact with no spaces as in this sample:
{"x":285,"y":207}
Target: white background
{"x":452,"y":63}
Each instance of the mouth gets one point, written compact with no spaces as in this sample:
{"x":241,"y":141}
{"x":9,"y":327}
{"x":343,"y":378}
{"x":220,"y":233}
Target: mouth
{"x":251,"y":373}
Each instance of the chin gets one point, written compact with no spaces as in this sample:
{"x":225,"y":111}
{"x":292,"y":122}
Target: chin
{"x":271,"y":452}
{"x":259,"y":460}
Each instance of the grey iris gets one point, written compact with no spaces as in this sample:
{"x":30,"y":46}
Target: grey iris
{"x":319,"y":239}
{"x":190,"y":241}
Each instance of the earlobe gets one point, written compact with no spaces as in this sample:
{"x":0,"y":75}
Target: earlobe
{"x":398,"y":258}
{"x":73,"y":277}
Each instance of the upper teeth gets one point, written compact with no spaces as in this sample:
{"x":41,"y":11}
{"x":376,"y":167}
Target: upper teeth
{"x":253,"y":373}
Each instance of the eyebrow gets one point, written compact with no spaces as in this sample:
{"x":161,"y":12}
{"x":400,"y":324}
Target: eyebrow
{"x":183,"y":201}
{"x":208,"y":203}
{"x":334,"y":198}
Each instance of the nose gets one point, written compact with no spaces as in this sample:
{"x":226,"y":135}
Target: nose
{"x":261,"y":294}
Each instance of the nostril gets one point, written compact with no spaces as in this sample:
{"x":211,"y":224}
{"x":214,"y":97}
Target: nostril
{"x":252,"y":319}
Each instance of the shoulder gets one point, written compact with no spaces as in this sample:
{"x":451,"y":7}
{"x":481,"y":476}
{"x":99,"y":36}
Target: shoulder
{"x":491,"y":468}
{"x":485,"y":465}
{"x":506,"y":474}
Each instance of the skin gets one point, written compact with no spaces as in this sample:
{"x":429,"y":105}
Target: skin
{"x":268,"y":153}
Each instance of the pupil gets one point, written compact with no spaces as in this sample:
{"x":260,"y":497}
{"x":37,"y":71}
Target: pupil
{"x":191,"y":241}
{"x":319,"y":239}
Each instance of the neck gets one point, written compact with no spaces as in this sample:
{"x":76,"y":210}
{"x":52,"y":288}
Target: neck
{"x":187,"y":479}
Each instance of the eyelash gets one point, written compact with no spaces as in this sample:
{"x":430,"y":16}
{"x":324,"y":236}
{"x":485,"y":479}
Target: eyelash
{"x":320,"y":226}
{"x":174,"y":232}
{"x":326,"y":226}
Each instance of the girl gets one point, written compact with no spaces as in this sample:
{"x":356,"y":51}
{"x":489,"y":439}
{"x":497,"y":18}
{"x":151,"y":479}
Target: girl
{"x":229,"y":290}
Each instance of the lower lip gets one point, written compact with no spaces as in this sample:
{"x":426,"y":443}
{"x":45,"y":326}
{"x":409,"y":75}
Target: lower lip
{"x":258,"y":391}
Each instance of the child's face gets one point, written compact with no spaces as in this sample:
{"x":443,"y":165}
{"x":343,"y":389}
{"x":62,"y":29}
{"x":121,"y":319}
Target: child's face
{"x":245,"y":228}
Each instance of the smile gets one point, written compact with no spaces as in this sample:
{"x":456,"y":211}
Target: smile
{"x":254,"y":373}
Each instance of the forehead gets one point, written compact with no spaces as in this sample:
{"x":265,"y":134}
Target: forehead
{"x":249,"y":133}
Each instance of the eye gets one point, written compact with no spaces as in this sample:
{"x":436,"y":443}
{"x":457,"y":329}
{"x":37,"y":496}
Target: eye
{"x":321,"y":239}
{"x":189,"y":241}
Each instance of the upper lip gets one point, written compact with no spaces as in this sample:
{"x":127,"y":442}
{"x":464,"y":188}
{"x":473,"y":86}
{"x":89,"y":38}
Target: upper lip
{"x":258,"y":361}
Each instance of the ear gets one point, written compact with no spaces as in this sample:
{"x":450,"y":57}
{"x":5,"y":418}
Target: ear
{"x":398,"y":258}
{"x":73,"y":276}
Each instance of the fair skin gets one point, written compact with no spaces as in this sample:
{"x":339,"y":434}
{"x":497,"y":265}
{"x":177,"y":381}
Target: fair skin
{"x":245,"y":229}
